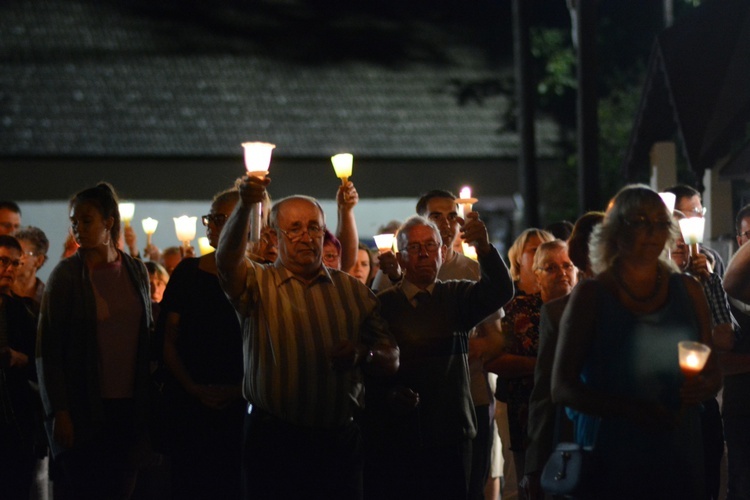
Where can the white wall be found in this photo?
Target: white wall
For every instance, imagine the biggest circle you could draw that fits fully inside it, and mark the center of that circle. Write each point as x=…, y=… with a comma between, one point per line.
x=52, y=218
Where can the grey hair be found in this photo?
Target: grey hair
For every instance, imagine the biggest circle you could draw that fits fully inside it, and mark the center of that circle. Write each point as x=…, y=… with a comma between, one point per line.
x=402, y=237
x=547, y=248
x=609, y=236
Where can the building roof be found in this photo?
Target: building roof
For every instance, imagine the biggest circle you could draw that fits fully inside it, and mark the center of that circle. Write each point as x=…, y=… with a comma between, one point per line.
x=95, y=79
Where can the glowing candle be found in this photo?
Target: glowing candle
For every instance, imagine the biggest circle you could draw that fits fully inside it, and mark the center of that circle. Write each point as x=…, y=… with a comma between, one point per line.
x=149, y=227
x=692, y=232
x=384, y=242
x=204, y=245
x=342, y=165
x=469, y=251
x=465, y=202
x=693, y=357
x=184, y=226
x=669, y=200
x=126, y=212
x=257, y=161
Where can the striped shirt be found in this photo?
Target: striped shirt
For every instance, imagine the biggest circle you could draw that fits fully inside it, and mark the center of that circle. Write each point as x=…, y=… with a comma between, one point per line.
x=290, y=327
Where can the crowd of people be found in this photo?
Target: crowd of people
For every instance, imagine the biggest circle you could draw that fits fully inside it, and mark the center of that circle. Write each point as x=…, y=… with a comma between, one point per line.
x=305, y=363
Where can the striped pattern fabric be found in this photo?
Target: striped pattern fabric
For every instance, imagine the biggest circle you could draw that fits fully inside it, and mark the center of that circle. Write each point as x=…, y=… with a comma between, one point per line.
x=289, y=329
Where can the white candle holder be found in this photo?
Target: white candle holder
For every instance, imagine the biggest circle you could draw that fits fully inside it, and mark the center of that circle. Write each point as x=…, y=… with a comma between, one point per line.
x=693, y=357
x=692, y=232
x=184, y=227
x=465, y=202
x=257, y=161
x=342, y=165
x=669, y=200
x=126, y=212
x=384, y=241
x=149, y=227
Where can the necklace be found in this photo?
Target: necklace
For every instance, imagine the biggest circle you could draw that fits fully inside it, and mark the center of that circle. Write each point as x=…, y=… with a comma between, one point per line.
x=650, y=296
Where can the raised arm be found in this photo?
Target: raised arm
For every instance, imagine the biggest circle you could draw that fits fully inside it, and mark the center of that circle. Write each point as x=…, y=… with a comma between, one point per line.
x=737, y=275
x=346, y=229
x=230, y=256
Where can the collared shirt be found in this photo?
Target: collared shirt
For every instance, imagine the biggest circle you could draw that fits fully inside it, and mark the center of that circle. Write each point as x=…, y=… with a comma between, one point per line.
x=411, y=290
x=289, y=329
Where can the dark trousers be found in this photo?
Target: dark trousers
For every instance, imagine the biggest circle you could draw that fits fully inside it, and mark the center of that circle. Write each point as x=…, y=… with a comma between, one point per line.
x=285, y=461
x=737, y=432
x=394, y=472
x=16, y=463
x=105, y=467
x=713, y=446
x=481, y=451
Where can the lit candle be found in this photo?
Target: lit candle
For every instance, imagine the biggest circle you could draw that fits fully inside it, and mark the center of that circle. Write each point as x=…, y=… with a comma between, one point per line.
x=669, y=200
x=184, y=226
x=384, y=242
x=204, y=245
x=257, y=161
x=342, y=165
x=465, y=201
x=149, y=227
x=693, y=357
x=692, y=232
x=126, y=212
x=469, y=251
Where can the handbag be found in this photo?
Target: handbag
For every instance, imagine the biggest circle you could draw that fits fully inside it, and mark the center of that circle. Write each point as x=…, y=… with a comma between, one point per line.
x=569, y=468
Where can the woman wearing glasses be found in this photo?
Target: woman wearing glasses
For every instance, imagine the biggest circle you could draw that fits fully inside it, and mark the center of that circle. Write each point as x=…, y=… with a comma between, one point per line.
x=616, y=365
x=203, y=351
x=93, y=355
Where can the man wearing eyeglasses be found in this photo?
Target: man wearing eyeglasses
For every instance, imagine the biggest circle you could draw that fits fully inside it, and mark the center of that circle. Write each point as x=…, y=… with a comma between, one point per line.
x=425, y=415
x=17, y=403
x=309, y=334
x=688, y=201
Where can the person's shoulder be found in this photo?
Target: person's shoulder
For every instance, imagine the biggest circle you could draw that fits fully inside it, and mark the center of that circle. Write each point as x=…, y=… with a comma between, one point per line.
x=556, y=306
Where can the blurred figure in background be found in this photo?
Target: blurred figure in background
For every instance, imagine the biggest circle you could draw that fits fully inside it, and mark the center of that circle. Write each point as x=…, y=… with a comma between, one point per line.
x=18, y=402
x=170, y=258
x=362, y=268
x=35, y=246
x=10, y=217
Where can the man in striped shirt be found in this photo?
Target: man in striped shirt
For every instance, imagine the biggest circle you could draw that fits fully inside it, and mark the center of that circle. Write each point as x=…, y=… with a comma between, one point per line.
x=308, y=333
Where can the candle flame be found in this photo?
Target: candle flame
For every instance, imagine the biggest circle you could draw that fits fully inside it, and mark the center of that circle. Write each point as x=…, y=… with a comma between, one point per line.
x=465, y=192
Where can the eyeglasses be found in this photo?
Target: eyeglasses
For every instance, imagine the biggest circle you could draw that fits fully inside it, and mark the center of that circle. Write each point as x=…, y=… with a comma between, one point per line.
x=429, y=246
x=695, y=212
x=330, y=257
x=6, y=262
x=218, y=219
x=643, y=223
x=746, y=234
x=295, y=234
x=566, y=268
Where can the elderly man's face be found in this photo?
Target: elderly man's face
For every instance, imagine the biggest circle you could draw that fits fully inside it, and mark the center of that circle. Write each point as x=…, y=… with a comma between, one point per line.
x=423, y=255
x=301, y=254
x=556, y=275
x=10, y=221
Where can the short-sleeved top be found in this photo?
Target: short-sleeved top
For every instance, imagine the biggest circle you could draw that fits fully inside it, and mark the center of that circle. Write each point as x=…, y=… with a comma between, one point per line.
x=289, y=329
x=210, y=340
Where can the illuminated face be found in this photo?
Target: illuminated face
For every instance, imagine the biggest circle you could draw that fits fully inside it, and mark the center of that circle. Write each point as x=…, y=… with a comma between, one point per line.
x=556, y=275
x=423, y=256
x=443, y=212
x=690, y=206
x=361, y=268
x=216, y=219
x=31, y=261
x=301, y=255
x=158, y=285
